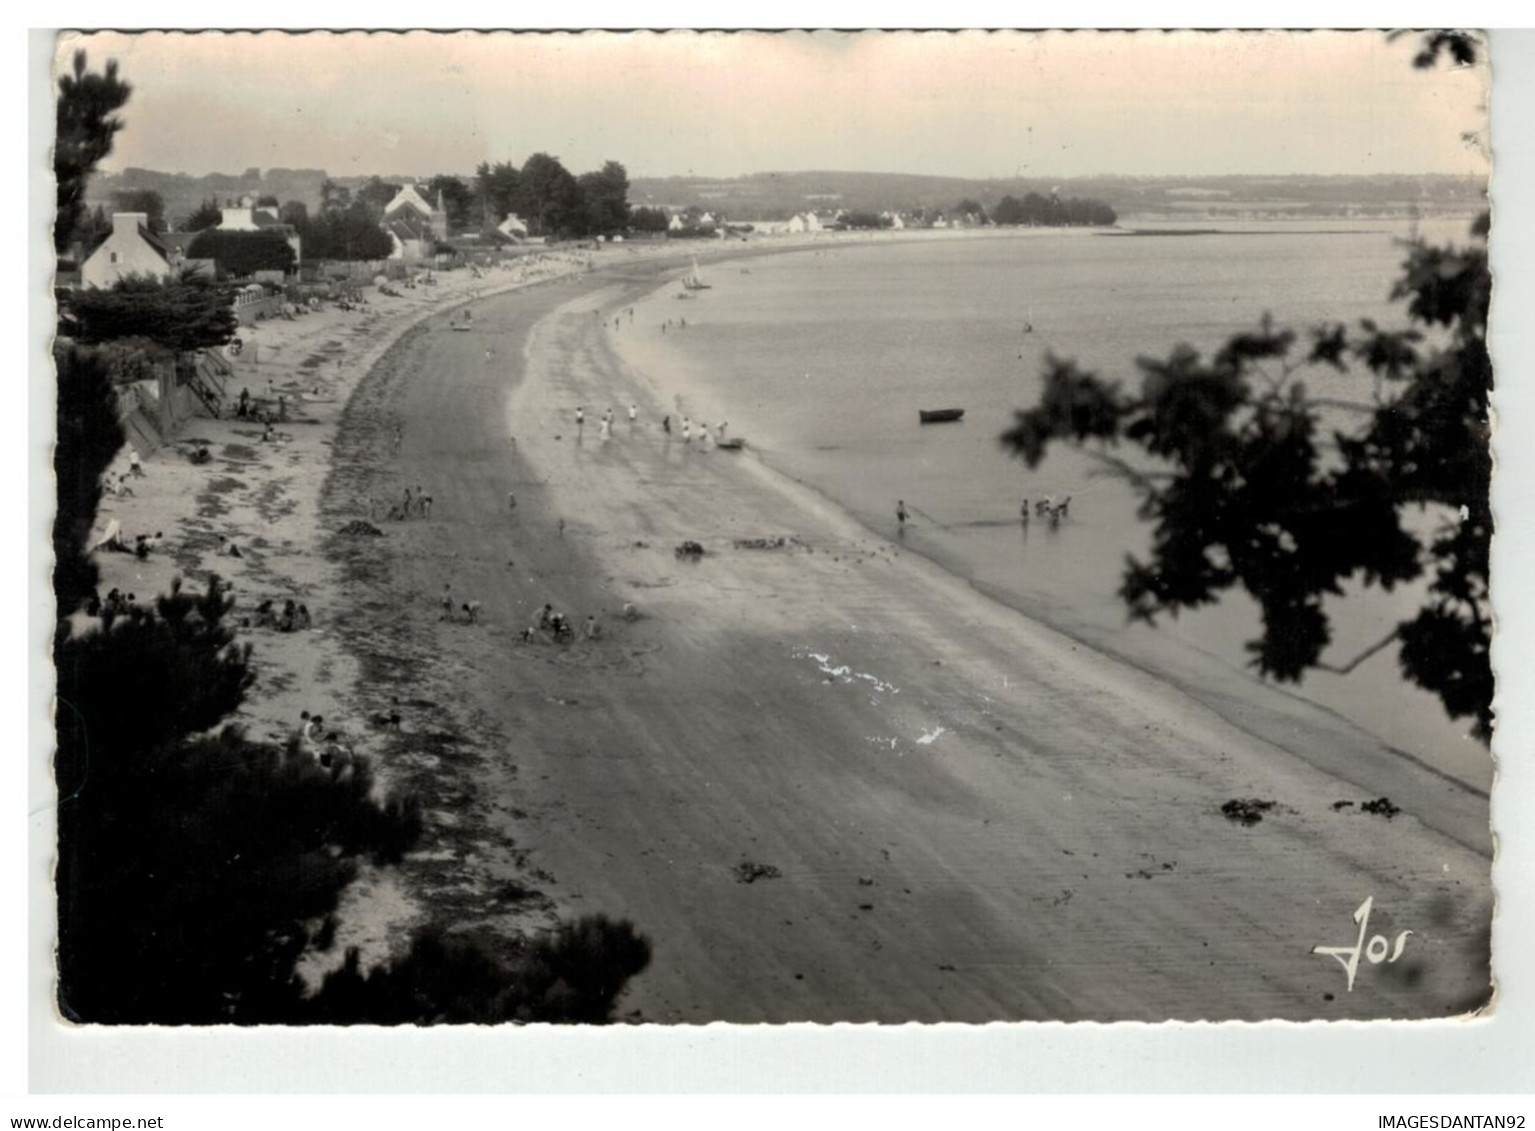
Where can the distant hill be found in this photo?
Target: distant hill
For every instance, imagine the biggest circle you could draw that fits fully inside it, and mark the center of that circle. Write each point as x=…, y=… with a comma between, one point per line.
x=777, y=196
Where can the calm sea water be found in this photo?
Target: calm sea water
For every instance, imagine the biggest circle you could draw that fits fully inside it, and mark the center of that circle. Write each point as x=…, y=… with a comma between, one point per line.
x=823, y=357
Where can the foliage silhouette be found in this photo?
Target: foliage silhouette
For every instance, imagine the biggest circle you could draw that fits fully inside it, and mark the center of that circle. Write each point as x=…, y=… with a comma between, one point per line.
x=185, y=313
x=238, y=254
x=571, y=977
x=1242, y=489
x=87, y=438
x=86, y=124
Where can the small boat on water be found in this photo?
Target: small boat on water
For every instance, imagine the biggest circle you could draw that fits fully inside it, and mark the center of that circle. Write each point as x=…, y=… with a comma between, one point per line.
x=939, y=415
x=734, y=444
x=695, y=281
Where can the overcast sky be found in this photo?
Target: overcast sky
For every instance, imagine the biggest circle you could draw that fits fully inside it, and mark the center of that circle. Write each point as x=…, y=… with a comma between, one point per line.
x=969, y=104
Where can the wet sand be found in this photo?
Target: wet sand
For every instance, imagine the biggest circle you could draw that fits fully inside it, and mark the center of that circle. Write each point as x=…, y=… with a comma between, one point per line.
x=947, y=811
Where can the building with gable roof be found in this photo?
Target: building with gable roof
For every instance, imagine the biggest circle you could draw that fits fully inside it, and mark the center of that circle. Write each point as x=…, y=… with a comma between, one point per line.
x=248, y=217
x=131, y=249
x=414, y=227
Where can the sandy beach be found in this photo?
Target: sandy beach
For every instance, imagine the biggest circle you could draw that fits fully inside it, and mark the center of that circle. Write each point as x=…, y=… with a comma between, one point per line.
x=828, y=780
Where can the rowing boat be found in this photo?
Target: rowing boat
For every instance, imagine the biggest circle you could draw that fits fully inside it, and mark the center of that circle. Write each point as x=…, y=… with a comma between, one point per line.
x=939, y=415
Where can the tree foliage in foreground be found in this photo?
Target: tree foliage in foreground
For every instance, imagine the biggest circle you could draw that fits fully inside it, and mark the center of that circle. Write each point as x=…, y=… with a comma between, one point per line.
x=573, y=976
x=88, y=436
x=1246, y=487
x=86, y=125
x=184, y=313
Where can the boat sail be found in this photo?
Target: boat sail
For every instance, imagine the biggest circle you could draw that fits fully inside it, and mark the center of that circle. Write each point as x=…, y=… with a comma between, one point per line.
x=695, y=281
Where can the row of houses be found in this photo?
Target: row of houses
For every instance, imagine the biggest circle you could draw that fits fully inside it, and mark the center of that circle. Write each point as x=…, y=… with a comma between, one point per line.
x=133, y=249
x=414, y=225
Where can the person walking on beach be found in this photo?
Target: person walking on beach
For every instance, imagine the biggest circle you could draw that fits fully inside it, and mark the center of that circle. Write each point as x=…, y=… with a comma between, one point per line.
x=447, y=602
x=605, y=430
x=724, y=424
x=687, y=431
x=580, y=419
x=1024, y=512
x=634, y=411
x=511, y=502
x=666, y=424
x=135, y=468
x=900, y=513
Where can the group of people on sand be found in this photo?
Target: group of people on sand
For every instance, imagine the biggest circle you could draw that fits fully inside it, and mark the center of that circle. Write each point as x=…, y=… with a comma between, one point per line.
x=604, y=422
x=116, y=604
x=452, y=610
x=706, y=436
x=325, y=746
x=556, y=626
x=293, y=617
x=115, y=541
x=416, y=503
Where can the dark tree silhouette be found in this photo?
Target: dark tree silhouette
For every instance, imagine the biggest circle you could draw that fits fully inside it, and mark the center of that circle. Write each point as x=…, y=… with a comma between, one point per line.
x=1244, y=489
x=208, y=215
x=606, y=194
x=574, y=976
x=181, y=314
x=88, y=437
x=147, y=201
x=349, y=233
x=86, y=124
x=549, y=198
x=238, y=254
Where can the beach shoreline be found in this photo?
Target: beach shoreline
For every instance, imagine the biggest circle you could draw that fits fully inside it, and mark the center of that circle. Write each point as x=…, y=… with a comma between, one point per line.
x=830, y=710
x=941, y=795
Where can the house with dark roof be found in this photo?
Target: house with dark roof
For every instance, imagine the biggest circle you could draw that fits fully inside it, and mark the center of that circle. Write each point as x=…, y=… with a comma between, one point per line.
x=414, y=227
x=251, y=218
x=131, y=249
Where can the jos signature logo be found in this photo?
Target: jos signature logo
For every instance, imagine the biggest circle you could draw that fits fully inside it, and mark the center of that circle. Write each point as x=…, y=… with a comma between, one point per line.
x=1379, y=949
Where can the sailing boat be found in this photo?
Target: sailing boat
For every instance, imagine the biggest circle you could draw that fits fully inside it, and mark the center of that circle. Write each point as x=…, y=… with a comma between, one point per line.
x=695, y=281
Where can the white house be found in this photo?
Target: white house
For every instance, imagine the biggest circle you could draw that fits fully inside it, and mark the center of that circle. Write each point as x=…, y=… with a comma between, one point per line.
x=676, y=224
x=251, y=218
x=804, y=222
x=414, y=226
x=513, y=227
x=131, y=249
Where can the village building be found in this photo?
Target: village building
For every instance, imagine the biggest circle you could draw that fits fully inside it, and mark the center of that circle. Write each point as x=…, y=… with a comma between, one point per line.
x=131, y=249
x=414, y=227
x=249, y=217
x=513, y=227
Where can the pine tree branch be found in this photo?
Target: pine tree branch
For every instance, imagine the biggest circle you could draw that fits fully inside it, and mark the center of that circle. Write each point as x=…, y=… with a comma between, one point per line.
x=1344, y=669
